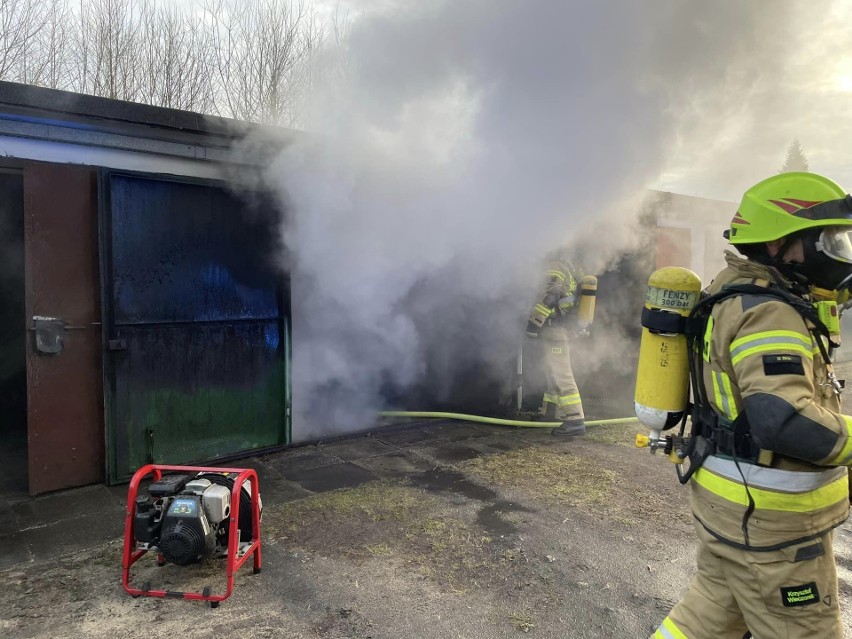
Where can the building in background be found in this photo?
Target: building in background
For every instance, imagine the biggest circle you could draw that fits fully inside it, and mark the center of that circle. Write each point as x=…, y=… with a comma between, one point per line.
x=145, y=316
x=689, y=232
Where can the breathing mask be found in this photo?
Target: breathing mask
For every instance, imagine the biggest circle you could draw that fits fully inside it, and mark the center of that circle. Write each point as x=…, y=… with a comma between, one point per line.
x=828, y=257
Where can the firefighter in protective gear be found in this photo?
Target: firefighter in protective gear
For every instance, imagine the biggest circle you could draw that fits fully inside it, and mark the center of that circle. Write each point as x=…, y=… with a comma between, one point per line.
x=548, y=321
x=766, y=500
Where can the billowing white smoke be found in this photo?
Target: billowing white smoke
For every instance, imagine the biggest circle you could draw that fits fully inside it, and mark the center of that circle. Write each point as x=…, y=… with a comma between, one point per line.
x=463, y=141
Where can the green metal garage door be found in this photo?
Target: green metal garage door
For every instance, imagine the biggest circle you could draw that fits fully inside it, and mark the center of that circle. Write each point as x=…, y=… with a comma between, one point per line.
x=196, y=339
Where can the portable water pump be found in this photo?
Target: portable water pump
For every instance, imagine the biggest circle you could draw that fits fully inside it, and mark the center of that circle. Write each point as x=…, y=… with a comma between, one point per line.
x=184, y=517
x=189, y=516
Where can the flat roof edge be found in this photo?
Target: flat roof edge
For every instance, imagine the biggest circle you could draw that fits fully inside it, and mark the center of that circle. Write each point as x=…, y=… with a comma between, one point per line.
x=59, y=104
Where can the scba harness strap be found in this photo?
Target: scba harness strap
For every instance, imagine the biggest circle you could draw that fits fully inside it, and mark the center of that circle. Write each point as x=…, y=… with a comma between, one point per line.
x=732, y=438
x=711, y=433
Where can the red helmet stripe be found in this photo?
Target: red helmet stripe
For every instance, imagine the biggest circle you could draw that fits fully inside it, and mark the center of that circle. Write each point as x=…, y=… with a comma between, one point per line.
x=739, y=219
x=804, y=204
x=793, y=206
x=787, y=206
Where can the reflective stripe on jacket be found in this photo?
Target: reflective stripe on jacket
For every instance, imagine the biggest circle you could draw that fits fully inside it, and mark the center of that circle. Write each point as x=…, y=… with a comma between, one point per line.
x=759, y=357
x=559, y=291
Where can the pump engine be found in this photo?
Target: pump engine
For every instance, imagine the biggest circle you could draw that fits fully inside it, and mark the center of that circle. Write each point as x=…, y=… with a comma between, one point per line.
x=186, y=517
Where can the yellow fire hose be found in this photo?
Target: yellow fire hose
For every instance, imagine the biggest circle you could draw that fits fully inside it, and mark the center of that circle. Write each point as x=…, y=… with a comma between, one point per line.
x=501, y=422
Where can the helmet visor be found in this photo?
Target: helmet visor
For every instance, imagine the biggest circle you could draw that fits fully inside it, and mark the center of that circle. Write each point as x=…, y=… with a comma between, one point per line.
x=836, y=242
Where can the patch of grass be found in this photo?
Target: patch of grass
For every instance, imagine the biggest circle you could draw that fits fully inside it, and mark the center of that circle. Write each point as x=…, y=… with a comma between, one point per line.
x=556, y=475
x=522, y=621
x=621, y=434
x=511, y=554
x=432, y=527
x=447, y=550
x=375, y=502
x=380, y=550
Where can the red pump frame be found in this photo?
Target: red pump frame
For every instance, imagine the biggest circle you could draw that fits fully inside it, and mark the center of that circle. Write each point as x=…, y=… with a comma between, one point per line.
x=131, y=554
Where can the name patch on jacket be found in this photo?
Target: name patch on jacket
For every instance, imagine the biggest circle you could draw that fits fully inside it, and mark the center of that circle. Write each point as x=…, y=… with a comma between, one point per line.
x=783, y=365
x=800, y=595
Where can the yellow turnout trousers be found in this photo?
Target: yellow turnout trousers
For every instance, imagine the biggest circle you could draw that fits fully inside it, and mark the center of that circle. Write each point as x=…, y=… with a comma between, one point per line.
x=562, y=391
x=781, y=594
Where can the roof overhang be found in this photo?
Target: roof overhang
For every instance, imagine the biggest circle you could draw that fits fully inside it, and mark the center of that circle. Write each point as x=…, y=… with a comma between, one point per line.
x=59, y=126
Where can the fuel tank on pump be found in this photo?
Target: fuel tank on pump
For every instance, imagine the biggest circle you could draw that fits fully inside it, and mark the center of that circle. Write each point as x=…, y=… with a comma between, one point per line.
x=662, y=376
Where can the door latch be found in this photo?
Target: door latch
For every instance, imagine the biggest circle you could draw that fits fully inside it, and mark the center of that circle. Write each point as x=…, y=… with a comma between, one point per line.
x=50, y=333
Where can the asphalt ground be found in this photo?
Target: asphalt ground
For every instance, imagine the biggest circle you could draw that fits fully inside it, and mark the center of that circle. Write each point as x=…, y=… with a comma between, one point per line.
x=434, y=530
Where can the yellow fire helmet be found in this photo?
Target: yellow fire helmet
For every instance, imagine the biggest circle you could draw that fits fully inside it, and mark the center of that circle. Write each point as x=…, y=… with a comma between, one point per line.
x=806, y=206
x=787, y=203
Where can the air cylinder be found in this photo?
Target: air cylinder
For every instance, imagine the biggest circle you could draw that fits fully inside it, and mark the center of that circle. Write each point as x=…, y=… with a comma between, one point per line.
x=586, y=310
x=662, y=376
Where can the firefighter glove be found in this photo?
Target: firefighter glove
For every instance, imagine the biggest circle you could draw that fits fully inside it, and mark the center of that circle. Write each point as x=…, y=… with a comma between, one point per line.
x=532, y=329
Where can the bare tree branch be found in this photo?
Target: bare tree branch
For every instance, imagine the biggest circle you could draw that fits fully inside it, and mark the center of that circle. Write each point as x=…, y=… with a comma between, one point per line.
x=47, y=62
x=21, y=21
x=177, y=61
x=108, y=44
x=262, y=49
x=252, y=60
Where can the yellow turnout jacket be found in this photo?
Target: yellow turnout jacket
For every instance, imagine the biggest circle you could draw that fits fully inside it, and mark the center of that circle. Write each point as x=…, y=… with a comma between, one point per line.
x=760, y=357
x=558, y=295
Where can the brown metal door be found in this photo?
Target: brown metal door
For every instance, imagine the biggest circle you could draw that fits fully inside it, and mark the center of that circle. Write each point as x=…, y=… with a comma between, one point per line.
x=64, y=396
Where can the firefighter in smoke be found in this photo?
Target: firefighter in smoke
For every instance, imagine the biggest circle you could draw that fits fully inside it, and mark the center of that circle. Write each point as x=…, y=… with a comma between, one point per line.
x=772, y=484
x=549, y=322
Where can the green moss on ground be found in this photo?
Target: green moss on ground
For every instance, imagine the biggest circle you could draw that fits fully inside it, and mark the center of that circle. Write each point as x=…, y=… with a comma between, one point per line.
x=550, y=474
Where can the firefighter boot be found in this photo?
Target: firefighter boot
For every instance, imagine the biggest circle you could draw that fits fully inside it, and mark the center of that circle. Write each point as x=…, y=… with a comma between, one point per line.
x=570, y=428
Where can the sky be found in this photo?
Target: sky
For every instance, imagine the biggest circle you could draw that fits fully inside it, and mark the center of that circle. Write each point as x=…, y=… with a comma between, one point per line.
x=788, y=75
x=458, y=143
x=794, y=81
